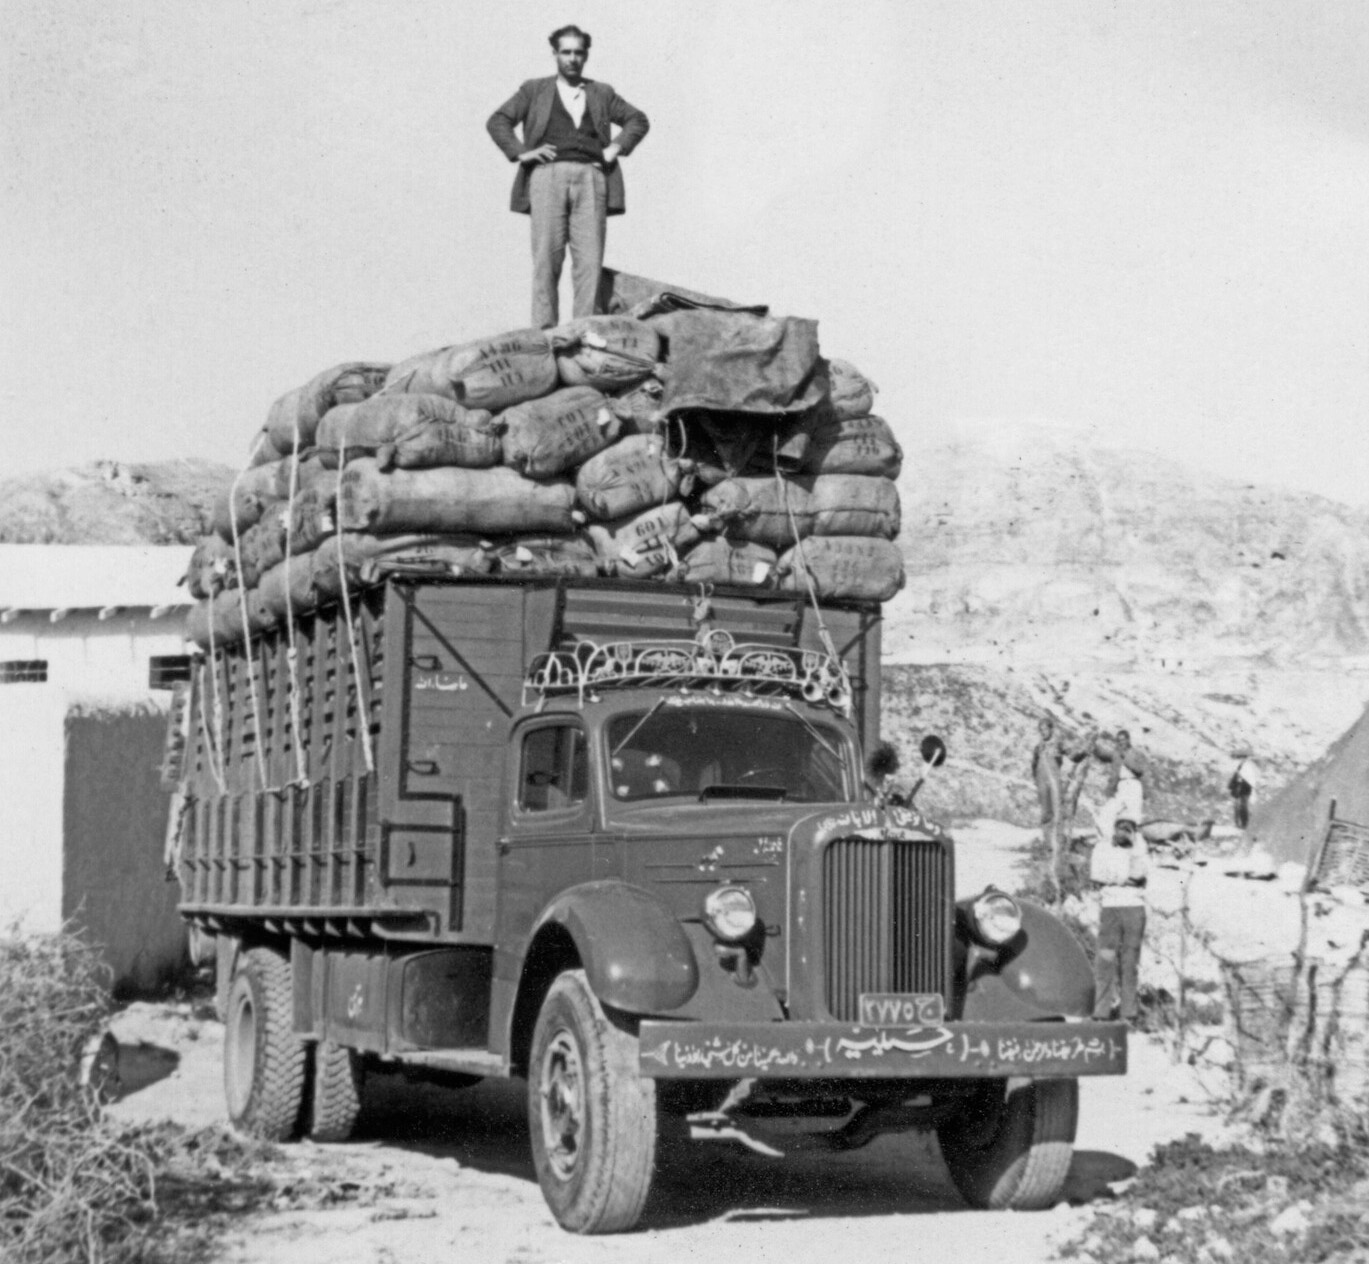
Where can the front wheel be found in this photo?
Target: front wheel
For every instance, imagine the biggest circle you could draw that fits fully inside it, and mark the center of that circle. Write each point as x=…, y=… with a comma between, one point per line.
x=592, y=1116
x=1011, y=1147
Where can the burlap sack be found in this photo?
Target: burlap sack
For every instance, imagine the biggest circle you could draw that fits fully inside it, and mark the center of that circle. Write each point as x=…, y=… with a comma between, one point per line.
x=288, y=588
x=366, y=559
x=644, y=544
x=640, y=408
x=609, y=352
x=218, y=620
x=546, y=555
x=546, y=437
x=262, y=546
x=313, y=518
x=852, y=445
x=850, y=392
x=212, y=567
x=248, y=497
x=634, y=474
x=413, y=432
x=451, y=500
x=493, y=373
x=843, y=567
x=720, y=561
x=299, y=411
x=778, y=512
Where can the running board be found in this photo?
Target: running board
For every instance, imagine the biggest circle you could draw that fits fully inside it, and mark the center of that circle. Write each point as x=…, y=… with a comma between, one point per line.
x=463, y=1061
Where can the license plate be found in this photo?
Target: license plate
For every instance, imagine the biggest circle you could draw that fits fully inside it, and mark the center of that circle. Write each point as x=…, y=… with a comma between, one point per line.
x=902, y=1009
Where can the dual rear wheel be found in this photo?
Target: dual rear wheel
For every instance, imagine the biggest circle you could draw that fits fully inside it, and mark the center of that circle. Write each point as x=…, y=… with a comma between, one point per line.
x=275, y=1085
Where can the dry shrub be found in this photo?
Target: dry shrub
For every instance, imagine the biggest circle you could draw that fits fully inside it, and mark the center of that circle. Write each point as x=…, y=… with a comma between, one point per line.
x=70, y=1186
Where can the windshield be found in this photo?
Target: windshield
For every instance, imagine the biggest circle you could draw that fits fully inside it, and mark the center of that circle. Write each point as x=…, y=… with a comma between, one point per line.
x=700, y=752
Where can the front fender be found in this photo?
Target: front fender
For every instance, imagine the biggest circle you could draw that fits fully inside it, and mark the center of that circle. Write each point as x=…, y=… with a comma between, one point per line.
x=1042, y=973
x=632, y=947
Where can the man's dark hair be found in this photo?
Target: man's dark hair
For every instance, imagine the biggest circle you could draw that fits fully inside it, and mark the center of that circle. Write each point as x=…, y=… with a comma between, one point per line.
x=557, y=35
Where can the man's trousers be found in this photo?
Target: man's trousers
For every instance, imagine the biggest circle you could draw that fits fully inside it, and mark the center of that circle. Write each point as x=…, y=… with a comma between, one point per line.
x=1121, y=932
x=569, y=208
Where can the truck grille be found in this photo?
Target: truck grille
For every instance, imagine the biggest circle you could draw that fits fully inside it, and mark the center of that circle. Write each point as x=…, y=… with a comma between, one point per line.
x=887, y=909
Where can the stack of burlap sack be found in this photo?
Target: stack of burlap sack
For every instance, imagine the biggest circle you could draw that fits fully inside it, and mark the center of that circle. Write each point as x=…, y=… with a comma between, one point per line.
x=563, y=452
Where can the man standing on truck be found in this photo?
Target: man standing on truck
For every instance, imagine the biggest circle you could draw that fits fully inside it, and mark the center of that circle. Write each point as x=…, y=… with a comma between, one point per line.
x=568, y=178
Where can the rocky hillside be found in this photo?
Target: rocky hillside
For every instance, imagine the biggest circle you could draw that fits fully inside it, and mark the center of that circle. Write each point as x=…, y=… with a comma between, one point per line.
x=110, y=502
x=1034, y=547
x=1186, y=723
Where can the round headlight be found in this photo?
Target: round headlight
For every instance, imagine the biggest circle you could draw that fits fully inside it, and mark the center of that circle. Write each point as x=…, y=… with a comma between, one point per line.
x=995, y=918
x=730, y=912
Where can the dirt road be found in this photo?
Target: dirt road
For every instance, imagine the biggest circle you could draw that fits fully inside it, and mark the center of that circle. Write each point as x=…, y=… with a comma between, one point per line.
x=446, y=1176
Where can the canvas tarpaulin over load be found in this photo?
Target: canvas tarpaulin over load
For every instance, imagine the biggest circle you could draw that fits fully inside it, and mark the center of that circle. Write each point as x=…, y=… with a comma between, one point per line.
x=1292, y=824
x=737, y=362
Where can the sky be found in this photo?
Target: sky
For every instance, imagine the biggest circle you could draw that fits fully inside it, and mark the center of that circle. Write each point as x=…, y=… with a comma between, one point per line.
x=1145, y=221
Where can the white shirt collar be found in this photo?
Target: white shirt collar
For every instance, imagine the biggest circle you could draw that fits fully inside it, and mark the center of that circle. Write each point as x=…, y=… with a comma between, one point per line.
x=573, y=98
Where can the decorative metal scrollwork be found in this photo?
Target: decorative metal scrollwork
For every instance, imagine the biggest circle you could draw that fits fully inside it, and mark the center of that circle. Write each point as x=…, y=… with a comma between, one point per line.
x=712, y=660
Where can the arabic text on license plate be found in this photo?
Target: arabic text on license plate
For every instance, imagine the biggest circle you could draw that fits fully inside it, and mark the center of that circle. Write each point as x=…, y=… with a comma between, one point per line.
x=902, y=1009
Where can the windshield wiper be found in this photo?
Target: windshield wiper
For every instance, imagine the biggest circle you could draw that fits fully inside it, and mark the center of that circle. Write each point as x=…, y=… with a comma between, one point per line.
x=814, y=730
x=725, y=790
x=632, y=732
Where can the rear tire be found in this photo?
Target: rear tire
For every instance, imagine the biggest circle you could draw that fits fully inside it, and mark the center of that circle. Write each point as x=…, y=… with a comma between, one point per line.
x=263, y=1059
x=335, y=1101
x=1011, y=1148
x=591, y=1114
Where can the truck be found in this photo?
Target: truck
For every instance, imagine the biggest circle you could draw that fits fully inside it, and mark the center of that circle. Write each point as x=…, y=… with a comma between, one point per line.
x=615, y=838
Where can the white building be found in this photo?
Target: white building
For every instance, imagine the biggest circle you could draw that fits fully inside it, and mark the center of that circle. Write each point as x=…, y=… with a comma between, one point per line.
x=91, y=641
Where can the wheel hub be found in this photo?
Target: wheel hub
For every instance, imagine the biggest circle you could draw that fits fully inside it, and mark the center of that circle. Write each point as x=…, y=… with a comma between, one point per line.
x=562, y=1095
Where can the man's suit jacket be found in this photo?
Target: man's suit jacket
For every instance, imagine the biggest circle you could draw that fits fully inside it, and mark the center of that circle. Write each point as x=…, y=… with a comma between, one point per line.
x=531, y=106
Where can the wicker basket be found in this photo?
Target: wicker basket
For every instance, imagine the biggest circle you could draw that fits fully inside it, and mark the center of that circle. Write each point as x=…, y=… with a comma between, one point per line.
x=1343, y=860
x=1331, y=1008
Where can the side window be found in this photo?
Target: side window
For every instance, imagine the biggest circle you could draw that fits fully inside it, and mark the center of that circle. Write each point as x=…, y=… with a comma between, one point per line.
x=554, y=772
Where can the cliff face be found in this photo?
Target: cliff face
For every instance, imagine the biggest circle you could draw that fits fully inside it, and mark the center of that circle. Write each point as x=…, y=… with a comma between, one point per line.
x=1035, y=547
x=111, y=502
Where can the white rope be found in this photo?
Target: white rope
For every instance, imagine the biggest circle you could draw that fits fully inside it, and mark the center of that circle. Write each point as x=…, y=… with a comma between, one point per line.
x=213, y=742
x=242, y=596
x=291, y=652
x=363, y=705
x=802, y=558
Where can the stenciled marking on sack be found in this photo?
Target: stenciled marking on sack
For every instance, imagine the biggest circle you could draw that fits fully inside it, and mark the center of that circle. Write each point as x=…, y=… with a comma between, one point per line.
x=356, y=1002
x=443, y=682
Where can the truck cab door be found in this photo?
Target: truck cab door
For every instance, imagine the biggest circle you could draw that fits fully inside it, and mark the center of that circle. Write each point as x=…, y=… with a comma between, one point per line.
x=548, y=843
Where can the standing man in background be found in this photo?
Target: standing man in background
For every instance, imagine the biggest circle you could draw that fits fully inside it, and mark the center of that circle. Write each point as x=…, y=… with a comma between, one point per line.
x=568, y=178
x=1128, y=772
x=1120, y=869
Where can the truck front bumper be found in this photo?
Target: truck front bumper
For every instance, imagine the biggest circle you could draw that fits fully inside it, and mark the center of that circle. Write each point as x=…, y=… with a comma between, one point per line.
x=720, y=1051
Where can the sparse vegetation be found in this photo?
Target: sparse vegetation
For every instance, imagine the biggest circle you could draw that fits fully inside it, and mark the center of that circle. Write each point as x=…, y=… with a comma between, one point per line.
x=77, y=1187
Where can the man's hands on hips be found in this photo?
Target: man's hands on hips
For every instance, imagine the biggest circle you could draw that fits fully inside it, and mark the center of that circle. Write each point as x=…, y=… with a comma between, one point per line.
x=611, y=153
x=535, y=157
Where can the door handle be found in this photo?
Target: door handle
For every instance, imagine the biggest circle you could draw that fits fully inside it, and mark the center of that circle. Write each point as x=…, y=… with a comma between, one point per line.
x=422, y=767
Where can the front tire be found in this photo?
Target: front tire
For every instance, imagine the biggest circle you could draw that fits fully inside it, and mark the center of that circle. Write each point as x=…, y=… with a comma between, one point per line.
x=592, y=1116
x=263, y=1059
x=1011, y=1148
